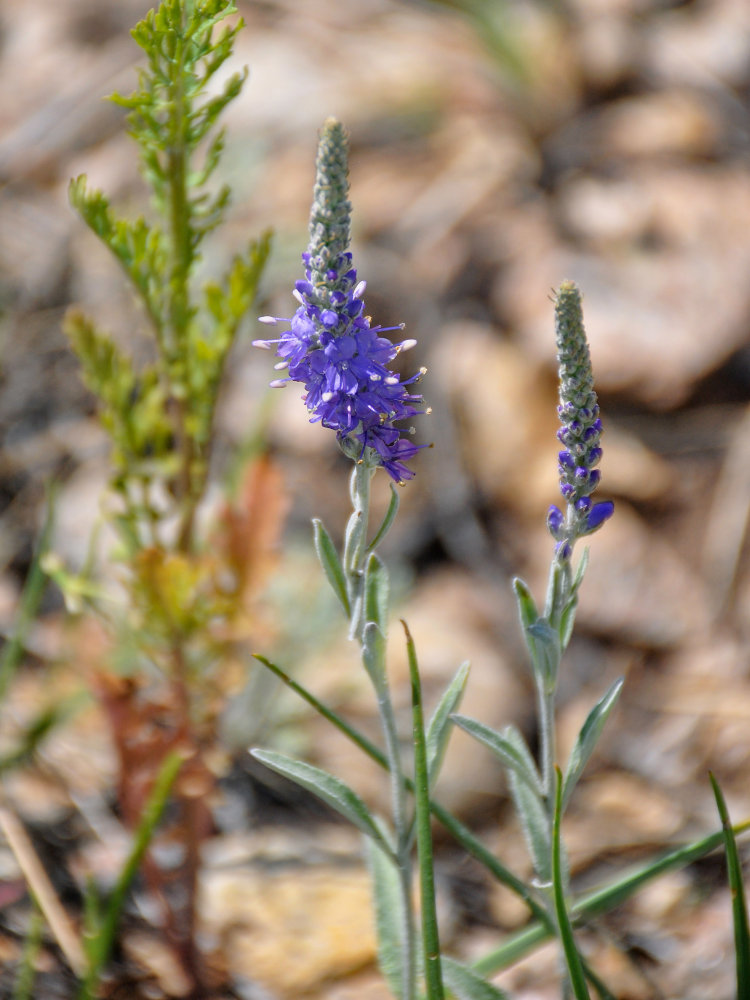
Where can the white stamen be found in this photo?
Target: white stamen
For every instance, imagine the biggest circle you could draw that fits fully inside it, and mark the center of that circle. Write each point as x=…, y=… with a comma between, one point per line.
x=326, y=397
x=359, y=290
x=264, y=344
x=407, y=345
x=298, y=296
x=391, y=380
x=271, y=320
x=278, y=383
x=280, y=366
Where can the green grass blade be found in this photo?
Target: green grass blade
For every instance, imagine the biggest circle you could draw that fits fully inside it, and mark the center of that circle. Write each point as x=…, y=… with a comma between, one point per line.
x=572, y=958
x=23, y=986
x=31, y=598
x=601, y=901
x=430, y=936
x=100, y=948
x=739, y=905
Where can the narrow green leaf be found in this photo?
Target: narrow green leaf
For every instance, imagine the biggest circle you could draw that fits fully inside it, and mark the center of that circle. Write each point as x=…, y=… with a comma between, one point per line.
x=329, y=560
x=430, y=936
x=330, y=789
x=509, y=746
x=739, y=904
x=581, y=568
x=388, y=909
x=466, y=984
x=568, y=614
x=373, y=654
x=572, y=958
x=31, y=597
x=600, y=901
x=23, y=986
x=439, y=728
x=534, y=824
x=390, y=516
x=544, y=648
x=376, y=593
x=527, y=609
x=588, y=738
x=100, y=946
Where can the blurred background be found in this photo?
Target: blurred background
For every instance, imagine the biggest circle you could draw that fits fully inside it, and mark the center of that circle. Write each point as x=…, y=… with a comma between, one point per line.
x=497, y=148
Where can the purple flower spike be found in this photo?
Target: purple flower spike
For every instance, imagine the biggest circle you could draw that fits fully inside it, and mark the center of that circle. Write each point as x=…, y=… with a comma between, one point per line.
x=580, y=429
x=331, y=349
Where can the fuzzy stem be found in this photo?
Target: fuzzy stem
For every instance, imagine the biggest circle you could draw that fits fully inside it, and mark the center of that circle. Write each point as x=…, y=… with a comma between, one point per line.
x=355, y=552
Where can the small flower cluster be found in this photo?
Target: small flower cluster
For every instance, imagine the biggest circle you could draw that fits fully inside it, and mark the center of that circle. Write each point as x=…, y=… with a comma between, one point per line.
x=330, y=346
x=580, y=431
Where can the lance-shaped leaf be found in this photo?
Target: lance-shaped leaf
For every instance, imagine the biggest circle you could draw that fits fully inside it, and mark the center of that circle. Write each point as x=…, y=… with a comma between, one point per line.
x=544, y=646
x=739, y=904
x=329, y=560
x=527, y=610
x=389, y=916
x=465, y=984
x=373, y=655
x=439, y=728
x=390, y=516
x=376, y=593
x=534, y=824
x=568, y=615
x=509, y=746
x=331, y=790
x=588, y=738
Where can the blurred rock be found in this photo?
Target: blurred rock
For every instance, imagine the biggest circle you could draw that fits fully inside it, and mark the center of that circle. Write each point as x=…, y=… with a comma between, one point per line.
x=290, y=930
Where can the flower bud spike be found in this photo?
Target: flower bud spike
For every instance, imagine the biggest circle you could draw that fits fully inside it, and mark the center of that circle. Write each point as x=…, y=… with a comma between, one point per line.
x=580, y=429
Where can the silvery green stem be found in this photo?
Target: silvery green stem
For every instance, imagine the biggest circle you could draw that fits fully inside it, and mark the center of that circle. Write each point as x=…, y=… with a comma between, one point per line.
x=355, y=552
x=355, y=546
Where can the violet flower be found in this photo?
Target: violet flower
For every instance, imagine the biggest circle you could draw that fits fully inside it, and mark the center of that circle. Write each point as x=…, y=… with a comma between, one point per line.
x=580, y=429
x=330, y=346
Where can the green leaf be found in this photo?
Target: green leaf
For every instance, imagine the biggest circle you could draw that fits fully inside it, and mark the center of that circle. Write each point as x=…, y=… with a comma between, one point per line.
x=330, y=789
x=601, y=900
x=439, y=728
x=509, y=746
x=465, y=984
x=376, y=593
x=568, y=614
x=739, y=904
x=588, y=738
x=545, y=650
x=329, y=560
x=100, y=946
x=373, y=654
x=572, y=958
x=534, y=824
x=388, y=908
x=387, y=521
x=461, y=833
x=527, y=610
